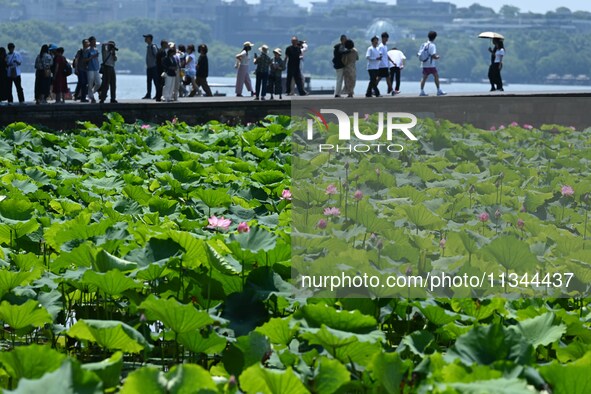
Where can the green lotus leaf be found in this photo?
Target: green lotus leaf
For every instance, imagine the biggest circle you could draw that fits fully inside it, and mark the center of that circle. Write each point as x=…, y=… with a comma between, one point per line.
x=255, y=240
x=137, y=193
x=534, y=200
x=110, y=334
x=268, y=177
x=248, y=350
x=541, y=330
x=105, y=262
x=21, y=316
x=352, y=321
x=16, y=209
x=569, y=378
x=500, y=386
x=30, y=362
x=486, y=344
x=113, y=282
x=225, y=264
x=388, y=369
x=422, y=217
x=195, y=249
x=108, y=370
x=144, y=380
x=163, y=206
x=279, y=331
x=418, y=342
x=197, y=342
x=214, y=198
x=10, y=279
x=330, y=375
x=512, y=254
x=257, y=379
x=69, y=378
x=180, y=318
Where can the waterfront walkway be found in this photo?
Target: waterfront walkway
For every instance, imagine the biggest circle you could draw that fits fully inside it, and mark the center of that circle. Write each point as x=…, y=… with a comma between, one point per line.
x=480, y=109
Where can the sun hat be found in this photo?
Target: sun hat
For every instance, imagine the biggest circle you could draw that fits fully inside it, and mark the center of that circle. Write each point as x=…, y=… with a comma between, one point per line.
x=248, y=44
x=277, y=51
x=264, y=48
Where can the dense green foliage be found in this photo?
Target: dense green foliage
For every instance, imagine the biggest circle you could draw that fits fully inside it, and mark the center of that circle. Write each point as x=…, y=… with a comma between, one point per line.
x=155, y=259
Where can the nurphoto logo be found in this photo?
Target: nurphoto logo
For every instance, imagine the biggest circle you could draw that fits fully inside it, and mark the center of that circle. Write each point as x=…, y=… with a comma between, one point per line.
x=392, y=123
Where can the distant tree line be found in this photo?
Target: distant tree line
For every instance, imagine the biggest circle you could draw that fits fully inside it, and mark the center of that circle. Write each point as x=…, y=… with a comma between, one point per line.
x=531, y=56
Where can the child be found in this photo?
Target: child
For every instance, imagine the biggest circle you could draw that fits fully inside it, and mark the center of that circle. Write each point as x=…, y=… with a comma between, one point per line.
x=277, y=66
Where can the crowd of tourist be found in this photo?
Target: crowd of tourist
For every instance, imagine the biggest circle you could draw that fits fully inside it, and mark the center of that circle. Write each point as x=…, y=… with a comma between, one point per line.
x=177, y=70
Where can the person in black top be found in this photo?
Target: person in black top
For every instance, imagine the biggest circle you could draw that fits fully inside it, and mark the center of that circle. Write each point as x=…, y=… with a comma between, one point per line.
x=159, y=80
x=293, y=55
x=337, y=61
x=203, y=70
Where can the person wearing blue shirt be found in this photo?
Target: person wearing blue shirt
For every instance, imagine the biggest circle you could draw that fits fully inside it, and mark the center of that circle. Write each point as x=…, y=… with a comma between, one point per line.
x=94, y=78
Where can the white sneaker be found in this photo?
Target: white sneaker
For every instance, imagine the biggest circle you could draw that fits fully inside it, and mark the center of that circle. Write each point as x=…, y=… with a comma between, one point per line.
x=441, y=93
x=423, y=93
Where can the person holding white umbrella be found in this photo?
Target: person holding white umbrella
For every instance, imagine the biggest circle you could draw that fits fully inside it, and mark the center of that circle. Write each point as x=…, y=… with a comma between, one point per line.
x=494, y=71
x=496, y=60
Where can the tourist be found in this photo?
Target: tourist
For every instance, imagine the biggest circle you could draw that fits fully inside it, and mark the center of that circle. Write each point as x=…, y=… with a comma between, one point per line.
x=109, y=84
x=337, y=61
x=242, y=75
x=396, y=58
x=81, y=70
x=274, y=84
x=203, y=70
x=90, y=57
x=43, y=63
x=494, y=71
x=170, y=66
x=429, y=66
x=60, y=78
x=4, y=86
x=293, y=59
x=373, y=57
x=384, y=67
x=151, y=65
x=191, y=70
x=160, y=73
x=263, y=62
x=350, y=69
x=181, y=58
x=14, y=61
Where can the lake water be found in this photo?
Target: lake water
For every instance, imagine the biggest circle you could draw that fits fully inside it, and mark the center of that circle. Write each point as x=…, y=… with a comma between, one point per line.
x=133, y=87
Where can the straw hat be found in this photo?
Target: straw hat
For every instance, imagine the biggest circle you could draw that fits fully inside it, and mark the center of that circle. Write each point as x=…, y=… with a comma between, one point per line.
x=248, y=44
x=264, y=48
x=277, y=51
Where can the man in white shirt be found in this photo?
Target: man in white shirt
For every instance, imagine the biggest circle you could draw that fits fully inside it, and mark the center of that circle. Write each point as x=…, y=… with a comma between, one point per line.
x=373, y=57
x=396, y=58
x=14, y=61
x=429, y=66
x=383, y=71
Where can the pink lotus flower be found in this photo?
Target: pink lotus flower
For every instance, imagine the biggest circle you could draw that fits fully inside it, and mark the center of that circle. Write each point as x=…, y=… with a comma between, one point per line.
x=331, y=189
x=366, y=117
x=175, y=120
x=501, y=127
x=520, y=224
x=483, y=217
x=358, y=195
x=220, y=223
x=332, y=211
x=567, y=191
x=528, y=126
x=145, y=126
x=514, y=124
x=321, y=224
x=493, y=128
x=243, y=227
x=442, y=243
x=286, y=194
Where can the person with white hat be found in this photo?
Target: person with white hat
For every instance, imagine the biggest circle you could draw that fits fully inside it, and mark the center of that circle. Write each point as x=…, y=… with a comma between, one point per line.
x=274, y=85
x=242, y=76
x=262, y=72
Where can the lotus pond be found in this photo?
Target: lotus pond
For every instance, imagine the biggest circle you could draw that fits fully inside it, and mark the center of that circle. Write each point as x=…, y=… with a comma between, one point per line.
x=140, y=258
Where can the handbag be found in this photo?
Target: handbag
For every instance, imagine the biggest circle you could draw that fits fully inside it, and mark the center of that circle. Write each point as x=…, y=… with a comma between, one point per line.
x=102, y=69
